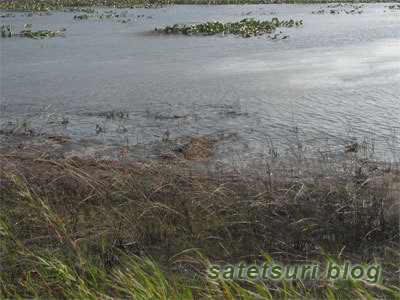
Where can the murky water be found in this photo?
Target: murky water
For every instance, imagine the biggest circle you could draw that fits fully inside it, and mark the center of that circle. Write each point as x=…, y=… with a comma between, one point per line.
x=334, y=79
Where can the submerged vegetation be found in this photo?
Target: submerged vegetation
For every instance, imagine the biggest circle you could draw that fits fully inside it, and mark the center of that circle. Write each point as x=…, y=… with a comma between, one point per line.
x=245, y=27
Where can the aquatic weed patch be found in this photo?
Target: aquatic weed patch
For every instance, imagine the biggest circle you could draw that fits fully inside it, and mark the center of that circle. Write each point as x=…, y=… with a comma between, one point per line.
x=393, y=7
x=46, y=5
x=6, y=31
x=79, y=9
x=336, y=9
x=81, y=17
x=7, y=15
x=245, y=27
x=40, y=34
x=74, y=5
x=112, y=14
x=37, y=14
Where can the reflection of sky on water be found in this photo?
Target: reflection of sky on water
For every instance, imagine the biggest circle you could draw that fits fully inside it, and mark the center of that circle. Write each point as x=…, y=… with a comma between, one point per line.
x=370, y=63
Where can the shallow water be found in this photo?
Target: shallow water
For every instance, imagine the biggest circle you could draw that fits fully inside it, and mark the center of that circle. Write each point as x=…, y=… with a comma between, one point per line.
x=335, y=79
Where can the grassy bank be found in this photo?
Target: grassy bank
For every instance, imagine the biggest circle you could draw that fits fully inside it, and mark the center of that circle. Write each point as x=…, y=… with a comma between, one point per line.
x=86, y=229
x=44, y=5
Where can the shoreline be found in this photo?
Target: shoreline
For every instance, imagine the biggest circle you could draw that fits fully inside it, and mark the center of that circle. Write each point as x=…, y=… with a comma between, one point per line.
x=101, y=210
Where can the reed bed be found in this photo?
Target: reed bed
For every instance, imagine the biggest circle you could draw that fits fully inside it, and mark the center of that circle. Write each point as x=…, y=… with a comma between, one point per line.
x=74, y=228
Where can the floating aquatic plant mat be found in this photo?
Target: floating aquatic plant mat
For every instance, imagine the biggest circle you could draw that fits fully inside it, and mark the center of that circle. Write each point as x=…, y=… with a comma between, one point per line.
x=6, y=31
x=245, y=27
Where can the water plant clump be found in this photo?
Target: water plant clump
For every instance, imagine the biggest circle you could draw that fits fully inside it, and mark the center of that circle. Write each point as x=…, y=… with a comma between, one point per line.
x=124, y=20
x=6, y=31
x=336, y=9
x=46, y=5
x=245, y=27
x=36, y=14
x=7, y=15
x=81, y=17
x=394, y=7
x=75, y=5
x=113, y=114
x=111, y=14
x=79, y=9
x=41, y=33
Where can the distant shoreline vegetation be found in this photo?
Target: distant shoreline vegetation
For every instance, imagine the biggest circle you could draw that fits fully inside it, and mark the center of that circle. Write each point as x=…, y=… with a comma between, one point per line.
x=45, y=5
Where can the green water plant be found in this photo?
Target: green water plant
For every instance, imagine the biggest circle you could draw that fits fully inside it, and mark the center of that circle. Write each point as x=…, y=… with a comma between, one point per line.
x=7, y=15
x=113, y=14
x=40, y=33
x=79, y=9
x=245, y=27
x=77, y=5
x=336, y=9
x=81, y=17
x=46, y=5
x=394, y=7
x=123, y=20
x=110, y=14
x=37, y=14
x=5, y=31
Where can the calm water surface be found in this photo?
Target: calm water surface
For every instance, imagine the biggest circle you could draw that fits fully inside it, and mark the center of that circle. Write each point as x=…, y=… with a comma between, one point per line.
x=334, y=79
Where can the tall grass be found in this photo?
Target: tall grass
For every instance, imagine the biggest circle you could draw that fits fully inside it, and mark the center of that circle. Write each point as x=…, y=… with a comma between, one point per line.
x=76, y=228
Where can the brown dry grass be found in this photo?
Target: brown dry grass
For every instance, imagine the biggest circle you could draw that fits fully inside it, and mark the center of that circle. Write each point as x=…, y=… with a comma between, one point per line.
x=69, y=208
x=198, y=148
x=164, y=209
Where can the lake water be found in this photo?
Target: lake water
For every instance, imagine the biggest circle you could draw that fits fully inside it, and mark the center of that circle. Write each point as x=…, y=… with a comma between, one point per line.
x=335, y=79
